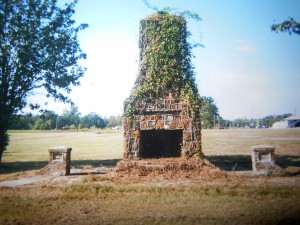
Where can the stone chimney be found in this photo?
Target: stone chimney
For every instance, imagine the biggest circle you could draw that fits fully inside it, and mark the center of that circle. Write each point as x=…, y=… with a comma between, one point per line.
x=162, y=115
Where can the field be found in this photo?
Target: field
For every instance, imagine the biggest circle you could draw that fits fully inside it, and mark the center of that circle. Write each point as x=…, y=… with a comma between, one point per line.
x=225, y=148
x=238, y=197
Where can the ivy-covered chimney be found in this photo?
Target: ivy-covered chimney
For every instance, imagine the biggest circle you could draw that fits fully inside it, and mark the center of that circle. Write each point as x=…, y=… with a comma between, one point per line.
x=162, y=114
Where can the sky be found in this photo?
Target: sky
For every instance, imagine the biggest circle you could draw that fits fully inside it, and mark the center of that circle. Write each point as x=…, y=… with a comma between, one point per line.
x=248, y=70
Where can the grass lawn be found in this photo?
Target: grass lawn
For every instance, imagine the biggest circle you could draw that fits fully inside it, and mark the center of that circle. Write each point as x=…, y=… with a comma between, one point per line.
x=105, y=144
x=33, y=146
x=98, y=199
x=225, y=148
x=238, y=141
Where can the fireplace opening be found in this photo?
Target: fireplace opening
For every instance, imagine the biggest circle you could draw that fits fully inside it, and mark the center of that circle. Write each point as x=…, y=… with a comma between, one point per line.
x=160, y=143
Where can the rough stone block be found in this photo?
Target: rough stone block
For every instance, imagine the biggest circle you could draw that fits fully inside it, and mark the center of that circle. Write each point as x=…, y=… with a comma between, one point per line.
x=180, y=124
x=187, y=136
x=152, y=124
x=173, y=124
x=135, y=133
x=144, y=125
x=187, y=124
x=184, y=116
x=160, y=124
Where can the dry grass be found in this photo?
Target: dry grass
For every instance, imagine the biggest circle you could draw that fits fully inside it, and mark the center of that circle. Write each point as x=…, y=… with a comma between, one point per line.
x=167, y=169
x=96, y=203
x=230, y=149
x=239, y=141
x=152, y=193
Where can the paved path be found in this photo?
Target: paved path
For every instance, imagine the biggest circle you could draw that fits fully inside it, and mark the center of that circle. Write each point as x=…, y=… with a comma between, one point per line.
x=75, y=176
x=24, y=181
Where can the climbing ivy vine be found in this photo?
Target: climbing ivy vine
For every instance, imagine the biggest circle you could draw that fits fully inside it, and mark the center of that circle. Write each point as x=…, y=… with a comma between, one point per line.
x=166, y=61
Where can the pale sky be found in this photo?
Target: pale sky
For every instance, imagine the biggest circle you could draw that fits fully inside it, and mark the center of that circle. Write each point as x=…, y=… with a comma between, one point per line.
x=248, y=70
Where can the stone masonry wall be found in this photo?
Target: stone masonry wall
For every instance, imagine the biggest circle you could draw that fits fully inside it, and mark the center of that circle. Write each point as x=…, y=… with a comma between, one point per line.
x=161, y=118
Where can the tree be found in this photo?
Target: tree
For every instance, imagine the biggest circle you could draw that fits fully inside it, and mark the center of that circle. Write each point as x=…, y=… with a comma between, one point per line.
x=22, y=122
x=70, y=118
x=209, y=112
x=268, y=121
x=114, y=121
x=241, y=122
x=92, y=119
x=291, y=26
x=46, y=121
x=39, y=50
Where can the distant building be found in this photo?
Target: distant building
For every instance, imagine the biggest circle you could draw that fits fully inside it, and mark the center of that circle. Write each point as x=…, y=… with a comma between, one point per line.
x=289, y=122
x=293, y=121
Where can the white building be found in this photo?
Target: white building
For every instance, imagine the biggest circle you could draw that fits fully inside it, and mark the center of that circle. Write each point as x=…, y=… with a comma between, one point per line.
x=289, y=122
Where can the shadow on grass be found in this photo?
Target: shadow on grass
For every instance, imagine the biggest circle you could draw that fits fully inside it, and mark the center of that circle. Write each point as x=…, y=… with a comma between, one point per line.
x=244, y=162
x=14, y=167
x=225, y=162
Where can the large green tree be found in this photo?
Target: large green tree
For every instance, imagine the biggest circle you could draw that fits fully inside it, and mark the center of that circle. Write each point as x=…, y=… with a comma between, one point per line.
x=39, y=49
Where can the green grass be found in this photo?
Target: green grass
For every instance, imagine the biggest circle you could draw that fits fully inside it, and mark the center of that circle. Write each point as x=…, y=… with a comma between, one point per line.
x=106, y=144
x=33, y=146
x=227, y=149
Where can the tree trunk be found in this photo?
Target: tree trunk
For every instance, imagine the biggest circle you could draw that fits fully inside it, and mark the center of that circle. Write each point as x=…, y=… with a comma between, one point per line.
x=3, y=135
x=1, y=152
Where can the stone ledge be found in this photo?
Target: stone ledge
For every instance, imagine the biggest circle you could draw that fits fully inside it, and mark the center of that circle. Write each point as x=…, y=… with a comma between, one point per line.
x=60, y=149
x=262, y=148
x=263, y=159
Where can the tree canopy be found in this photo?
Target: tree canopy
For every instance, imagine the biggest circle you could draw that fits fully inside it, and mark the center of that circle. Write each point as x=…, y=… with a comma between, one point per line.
x=70, y=117
x=39, y=50
x=291, y=26
x=209, y=112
